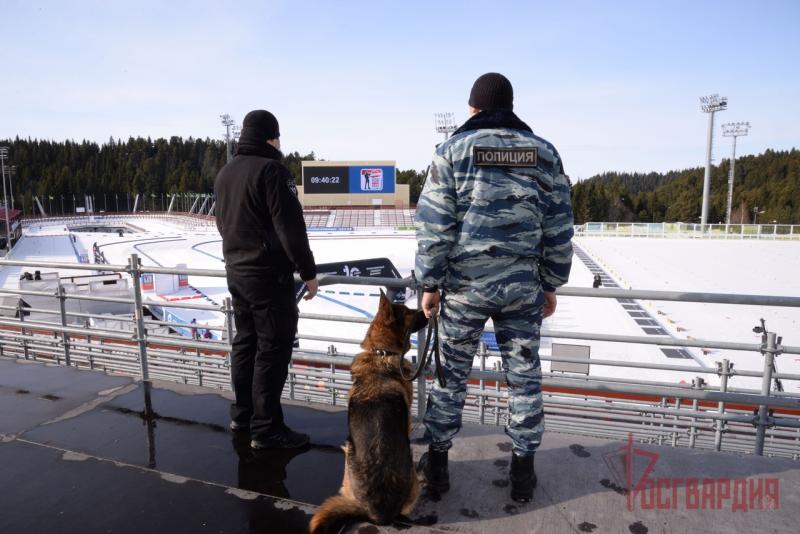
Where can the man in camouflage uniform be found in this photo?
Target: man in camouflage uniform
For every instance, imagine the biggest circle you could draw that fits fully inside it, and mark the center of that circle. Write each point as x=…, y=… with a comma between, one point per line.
x=494, y=230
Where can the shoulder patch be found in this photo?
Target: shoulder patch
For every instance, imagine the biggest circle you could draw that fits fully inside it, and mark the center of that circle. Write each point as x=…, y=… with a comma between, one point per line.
x=291, y=185
x=504, y=156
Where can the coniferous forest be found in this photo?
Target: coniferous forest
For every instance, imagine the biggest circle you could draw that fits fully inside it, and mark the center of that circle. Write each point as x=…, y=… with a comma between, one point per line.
x=766, y=185
x=116, y=171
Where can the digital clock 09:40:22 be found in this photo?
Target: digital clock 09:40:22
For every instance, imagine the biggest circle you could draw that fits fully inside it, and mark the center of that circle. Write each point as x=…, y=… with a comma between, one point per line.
x=325, y=179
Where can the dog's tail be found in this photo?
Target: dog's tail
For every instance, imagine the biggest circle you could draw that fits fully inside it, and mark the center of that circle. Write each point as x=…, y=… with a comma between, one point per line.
x=334, y=513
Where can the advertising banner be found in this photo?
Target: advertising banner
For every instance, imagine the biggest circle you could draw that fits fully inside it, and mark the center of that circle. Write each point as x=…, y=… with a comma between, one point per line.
x=368, y=268
x=372, y=179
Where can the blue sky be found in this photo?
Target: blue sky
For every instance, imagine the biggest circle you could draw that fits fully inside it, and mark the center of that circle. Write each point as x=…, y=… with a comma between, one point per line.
x=614, y=85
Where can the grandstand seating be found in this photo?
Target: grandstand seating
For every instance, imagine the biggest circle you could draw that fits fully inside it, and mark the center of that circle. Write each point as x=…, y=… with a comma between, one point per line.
x=317, y=218
x=358, y=218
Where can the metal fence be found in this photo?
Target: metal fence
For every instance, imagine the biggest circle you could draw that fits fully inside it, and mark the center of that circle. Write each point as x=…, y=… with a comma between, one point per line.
x=686, y=230
x=720, y=417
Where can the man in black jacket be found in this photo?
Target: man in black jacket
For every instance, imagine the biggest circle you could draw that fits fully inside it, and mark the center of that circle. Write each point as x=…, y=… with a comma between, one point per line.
x=264, y=241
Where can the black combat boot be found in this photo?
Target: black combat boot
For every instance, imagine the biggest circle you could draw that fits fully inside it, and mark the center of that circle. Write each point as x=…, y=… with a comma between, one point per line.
x=523, y=478
x=434, y=464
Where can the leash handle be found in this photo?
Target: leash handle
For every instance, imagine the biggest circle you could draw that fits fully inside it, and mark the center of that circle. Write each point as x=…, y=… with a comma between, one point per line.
x=439, y=368
x=432, y=333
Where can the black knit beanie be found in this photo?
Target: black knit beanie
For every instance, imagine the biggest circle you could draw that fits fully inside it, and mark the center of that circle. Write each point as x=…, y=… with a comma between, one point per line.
x=492, y=91
x=258, y=126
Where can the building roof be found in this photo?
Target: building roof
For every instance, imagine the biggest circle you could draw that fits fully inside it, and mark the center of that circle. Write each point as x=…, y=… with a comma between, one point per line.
x=13, y=214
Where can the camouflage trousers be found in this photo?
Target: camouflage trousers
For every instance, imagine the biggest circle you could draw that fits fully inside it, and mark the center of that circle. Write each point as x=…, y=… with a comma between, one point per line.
x=516, y=310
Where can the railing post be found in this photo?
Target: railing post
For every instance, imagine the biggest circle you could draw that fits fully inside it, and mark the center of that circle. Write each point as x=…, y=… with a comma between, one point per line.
x=62, y=305
x=135, y=270
x=421, y=385
x=769, y=349
x=675, y=428
x=482, y=400
x=662, y=404
x=497, y=367
x=724, y=371
x=228, y=310
x=697, y=383
x=199, y=370
x=88, y=325
x=332, y=354
x=23, y=333
x=196, y=337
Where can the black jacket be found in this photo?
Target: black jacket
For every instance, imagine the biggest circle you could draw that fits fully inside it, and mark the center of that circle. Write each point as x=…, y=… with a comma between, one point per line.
x=260, y=218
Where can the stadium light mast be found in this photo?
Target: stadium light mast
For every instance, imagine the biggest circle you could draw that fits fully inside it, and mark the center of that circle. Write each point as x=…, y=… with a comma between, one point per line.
x=235, y=133
x=733, y=129
x=3, y=156
x=228, y=123
x=445, y=123
x=756, y=213
x=709, y=104
x=12, y=172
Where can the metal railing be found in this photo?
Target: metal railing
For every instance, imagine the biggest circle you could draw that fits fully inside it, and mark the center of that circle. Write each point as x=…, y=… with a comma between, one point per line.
x=399, y=219
x=687, y=230
x=342, y=217
x=181, y=218
x=723, y=417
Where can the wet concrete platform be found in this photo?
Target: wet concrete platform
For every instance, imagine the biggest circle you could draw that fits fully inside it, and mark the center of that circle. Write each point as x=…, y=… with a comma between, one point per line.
x=79, y=454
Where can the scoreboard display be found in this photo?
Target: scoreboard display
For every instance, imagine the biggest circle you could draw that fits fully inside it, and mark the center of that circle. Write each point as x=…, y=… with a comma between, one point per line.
x=326, y=179
x=339, y=179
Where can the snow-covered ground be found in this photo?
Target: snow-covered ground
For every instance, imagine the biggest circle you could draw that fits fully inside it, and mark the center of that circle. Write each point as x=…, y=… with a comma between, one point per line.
x=170, y=247
x=757, y=267
x=47, y=244
x=713, y=266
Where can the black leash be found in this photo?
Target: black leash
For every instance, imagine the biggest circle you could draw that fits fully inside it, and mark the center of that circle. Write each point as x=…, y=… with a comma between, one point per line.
x=432, y=332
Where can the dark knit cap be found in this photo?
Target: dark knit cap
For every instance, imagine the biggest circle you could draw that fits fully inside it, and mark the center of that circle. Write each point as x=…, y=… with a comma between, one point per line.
x=492, y=91
x=258, y=126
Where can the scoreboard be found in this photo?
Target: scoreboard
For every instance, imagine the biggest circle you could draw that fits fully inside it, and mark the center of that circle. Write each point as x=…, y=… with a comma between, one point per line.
x=343, y=179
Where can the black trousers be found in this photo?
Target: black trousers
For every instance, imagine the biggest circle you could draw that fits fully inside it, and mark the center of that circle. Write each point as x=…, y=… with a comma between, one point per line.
x=265, y=315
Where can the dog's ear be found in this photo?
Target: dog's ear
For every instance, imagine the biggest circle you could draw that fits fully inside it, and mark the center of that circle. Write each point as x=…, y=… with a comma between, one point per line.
x=385, y=311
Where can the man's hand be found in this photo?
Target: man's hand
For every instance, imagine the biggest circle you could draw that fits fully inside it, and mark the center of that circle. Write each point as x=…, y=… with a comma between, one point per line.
x=312, y=286
x=549, y=303
x=430, y=304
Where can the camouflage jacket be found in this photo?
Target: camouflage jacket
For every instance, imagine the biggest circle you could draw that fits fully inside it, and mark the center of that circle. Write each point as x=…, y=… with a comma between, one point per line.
x=480, y=216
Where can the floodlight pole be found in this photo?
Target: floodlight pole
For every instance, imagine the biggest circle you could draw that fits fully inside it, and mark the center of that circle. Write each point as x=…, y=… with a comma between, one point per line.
x=733, y=129
x=709, y=104
x=12, y=171
x=730, y=182
x=227, y=122
x=755, y=214
x=3, y=156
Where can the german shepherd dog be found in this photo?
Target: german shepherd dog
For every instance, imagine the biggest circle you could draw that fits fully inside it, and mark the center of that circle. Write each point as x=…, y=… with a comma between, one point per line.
x=380, y=481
